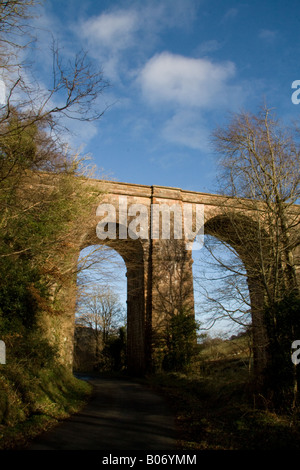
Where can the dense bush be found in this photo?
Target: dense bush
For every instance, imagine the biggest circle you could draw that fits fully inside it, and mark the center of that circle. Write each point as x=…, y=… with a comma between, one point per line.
x=282, y=377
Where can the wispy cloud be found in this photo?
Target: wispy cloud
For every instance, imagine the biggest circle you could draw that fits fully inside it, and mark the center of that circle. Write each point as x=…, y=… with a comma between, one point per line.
x=230, y=14
x=119, y=36
x=188, y=129
x=267, y=35
x=209, y=46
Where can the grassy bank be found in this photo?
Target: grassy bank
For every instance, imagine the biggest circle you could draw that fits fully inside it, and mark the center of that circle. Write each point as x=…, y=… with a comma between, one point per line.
x=215, y=408
x=31, y=402
x=213, y=403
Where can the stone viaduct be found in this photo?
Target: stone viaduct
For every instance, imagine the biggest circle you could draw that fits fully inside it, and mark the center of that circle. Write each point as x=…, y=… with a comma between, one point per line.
x=159, y=270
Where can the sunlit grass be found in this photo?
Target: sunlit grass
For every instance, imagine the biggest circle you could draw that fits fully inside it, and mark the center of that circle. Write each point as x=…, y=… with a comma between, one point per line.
x=31, y=403
x=215, y=406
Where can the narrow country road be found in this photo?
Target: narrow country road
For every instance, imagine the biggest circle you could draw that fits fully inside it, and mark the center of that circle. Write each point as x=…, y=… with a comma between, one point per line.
x=121, y=415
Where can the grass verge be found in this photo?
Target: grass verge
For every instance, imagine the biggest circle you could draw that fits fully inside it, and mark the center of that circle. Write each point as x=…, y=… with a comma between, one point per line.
x=215, y=408
x=31, y=403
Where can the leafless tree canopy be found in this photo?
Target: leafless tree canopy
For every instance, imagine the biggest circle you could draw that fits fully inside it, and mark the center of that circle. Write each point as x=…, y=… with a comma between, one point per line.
x=76, y=87
x=100, y=310
x=255, y=235
x=260, y=158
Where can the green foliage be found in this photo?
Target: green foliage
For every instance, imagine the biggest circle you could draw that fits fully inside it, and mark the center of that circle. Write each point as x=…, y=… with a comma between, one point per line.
x=32, y=400
x=38, y=216
x=180, y=341
x=41, y=200
x=282, y=378
x=113, y=355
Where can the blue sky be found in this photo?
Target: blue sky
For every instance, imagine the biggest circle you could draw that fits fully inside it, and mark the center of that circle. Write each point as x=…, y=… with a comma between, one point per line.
x=176, y=69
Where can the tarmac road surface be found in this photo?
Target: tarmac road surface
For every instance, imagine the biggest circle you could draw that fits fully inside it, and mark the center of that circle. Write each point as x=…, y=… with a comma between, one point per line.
x=121, y=415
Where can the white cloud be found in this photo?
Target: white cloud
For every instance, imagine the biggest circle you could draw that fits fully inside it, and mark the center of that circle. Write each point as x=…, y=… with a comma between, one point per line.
x=184, y=81
x=121, y=28
x=122, y=37
x=113, y=30
x=110, y=36
x=184, y=88
x=189, y=93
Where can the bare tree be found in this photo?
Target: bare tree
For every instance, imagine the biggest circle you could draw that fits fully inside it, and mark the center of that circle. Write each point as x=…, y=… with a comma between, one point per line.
x=36, y=168
x=76, y=84
x=14, y=27
x=261, y=166
x=221, y=293
x=100, y=310
x=259, y=220
x=101, y=264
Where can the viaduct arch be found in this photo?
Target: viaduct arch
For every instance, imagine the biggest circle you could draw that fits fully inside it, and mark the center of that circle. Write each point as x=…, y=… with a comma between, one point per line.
x=159, y=271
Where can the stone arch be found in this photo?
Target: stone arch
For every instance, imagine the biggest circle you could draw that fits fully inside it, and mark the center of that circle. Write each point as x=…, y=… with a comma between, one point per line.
x=240, y=231
x=132, y=252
